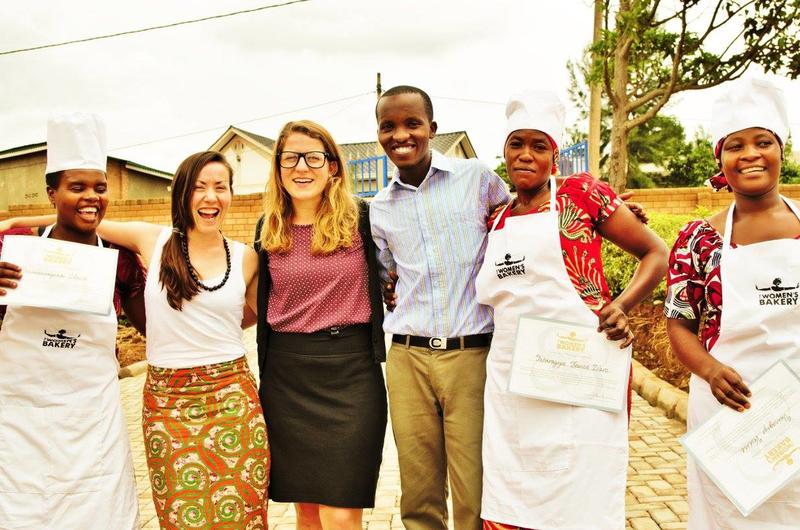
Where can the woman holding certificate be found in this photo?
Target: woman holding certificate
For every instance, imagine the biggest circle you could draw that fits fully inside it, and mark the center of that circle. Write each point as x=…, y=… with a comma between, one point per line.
x=548, y=464
x=65, y=459
x=749, y=257
x=204, y=431
x=320, y=335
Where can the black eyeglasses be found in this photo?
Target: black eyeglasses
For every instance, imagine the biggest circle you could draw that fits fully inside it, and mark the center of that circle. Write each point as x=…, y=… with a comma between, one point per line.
x=314, y=159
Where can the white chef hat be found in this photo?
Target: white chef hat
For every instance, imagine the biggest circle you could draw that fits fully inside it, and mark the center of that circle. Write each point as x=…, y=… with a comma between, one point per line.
x=541, y=110
x=750, y=103
x=76, y=140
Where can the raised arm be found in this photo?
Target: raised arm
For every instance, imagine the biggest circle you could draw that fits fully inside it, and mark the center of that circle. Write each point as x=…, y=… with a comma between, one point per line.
x=136, y=236
x=33, y=221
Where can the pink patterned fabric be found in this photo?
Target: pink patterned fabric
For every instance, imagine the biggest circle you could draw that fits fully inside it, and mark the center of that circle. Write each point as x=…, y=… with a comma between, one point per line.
x=310, y=293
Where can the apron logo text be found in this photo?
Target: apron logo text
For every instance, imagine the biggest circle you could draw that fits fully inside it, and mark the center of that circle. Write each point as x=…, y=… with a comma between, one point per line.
x=776, y=294
x=510, y=267
x=59, y=339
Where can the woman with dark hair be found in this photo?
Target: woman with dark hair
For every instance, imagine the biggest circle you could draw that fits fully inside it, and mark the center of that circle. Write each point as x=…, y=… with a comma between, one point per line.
x=741, y=256
x=204, y=431
x=320, y=338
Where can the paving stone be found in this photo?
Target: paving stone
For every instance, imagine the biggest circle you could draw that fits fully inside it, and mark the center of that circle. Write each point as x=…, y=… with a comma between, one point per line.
x=655, y=498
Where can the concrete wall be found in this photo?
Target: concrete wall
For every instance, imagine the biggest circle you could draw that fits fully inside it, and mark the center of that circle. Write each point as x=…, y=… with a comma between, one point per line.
x=145, y=186
x=22, y=180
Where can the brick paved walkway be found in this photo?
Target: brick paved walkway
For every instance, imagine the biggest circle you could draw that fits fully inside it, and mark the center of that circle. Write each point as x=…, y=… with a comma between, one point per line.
x=655, y=499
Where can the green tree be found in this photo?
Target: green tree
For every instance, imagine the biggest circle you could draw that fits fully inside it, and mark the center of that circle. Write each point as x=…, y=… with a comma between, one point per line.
x=650, y=50
x=790, y=170
x=502, y=172
x=655, y=143
x=693, y=165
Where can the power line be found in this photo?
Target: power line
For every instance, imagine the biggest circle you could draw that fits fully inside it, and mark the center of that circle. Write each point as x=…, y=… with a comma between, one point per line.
x=152, y=28
x=465, y=100
x=192, y=133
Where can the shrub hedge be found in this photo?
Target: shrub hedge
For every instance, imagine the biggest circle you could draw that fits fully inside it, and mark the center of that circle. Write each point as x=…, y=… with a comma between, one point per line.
x=619, y=265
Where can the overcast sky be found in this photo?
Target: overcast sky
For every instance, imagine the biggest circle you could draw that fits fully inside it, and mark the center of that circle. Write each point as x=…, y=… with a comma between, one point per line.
x=192, y=81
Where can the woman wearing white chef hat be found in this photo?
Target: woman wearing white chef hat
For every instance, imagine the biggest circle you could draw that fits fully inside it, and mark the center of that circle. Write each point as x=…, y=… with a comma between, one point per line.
x=65, y=460
x=550, y=465
x=741, y=253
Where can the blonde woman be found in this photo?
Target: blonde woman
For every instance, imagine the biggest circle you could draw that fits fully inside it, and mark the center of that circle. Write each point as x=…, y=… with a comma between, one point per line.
x=320, y=338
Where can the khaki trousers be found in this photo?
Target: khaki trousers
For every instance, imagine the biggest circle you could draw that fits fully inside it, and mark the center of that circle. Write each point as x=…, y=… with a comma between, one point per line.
x=436, y=406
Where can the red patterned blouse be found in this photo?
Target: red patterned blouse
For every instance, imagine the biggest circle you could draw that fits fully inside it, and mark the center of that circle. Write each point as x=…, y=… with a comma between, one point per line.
x=694, y=284
x=583, y=204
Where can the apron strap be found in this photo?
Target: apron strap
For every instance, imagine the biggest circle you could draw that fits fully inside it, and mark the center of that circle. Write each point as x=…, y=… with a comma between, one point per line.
x=500, y=216
x=49, y=229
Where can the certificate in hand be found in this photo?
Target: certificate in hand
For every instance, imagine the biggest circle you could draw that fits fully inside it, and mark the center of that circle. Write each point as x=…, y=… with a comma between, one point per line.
x=751, y=455
x=61, y=274
x=569, y=363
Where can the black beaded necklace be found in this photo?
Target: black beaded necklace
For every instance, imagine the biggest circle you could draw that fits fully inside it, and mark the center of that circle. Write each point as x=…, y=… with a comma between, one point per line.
x=193, y=273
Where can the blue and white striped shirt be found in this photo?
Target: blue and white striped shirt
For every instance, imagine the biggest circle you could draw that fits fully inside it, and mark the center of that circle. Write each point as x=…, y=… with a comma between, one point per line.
x=434, y=237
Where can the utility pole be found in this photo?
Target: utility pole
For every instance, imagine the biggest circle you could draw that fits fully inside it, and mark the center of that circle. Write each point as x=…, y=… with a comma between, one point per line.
x=595, y=99
x=378, y=89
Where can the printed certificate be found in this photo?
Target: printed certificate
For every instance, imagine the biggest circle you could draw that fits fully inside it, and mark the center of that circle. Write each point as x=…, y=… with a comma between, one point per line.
x=61, y=274
x=569, y=363
x=751, y=455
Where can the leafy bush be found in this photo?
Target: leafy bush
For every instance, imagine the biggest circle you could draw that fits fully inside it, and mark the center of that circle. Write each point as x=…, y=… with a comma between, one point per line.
x=619, y=265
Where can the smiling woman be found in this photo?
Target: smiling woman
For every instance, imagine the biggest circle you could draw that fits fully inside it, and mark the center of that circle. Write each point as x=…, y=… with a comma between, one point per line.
x=744, y=253
x=320, y=338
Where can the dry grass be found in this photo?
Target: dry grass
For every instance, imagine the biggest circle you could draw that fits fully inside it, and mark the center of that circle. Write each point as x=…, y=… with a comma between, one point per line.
x=651, y=345
x=130, y=345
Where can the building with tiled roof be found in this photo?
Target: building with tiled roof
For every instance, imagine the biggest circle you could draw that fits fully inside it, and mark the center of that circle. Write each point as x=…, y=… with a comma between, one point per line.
x=22, y=177
x=250, y=155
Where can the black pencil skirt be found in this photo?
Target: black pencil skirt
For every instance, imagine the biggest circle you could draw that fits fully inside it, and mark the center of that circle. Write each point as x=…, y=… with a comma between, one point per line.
x=325, y=408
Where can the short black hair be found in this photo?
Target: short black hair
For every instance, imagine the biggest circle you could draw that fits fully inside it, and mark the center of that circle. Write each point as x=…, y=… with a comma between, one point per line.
x=408, y=89
x=53, y=179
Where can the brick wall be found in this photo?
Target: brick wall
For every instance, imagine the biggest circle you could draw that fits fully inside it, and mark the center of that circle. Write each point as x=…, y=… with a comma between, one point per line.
x=246, y=209
x=239, y=223
x=687, y=200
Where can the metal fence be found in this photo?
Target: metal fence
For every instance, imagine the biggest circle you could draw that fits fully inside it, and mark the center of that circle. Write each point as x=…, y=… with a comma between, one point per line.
x=574, y=159
x=369, y=174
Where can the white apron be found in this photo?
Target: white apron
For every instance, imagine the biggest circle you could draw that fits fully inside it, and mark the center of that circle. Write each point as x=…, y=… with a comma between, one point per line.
x=65, y=459
x=545, y=465
x=752, y=337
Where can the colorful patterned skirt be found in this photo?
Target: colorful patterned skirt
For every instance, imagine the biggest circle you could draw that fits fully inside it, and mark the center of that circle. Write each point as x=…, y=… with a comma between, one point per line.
x=206, y=447
x=489, y=525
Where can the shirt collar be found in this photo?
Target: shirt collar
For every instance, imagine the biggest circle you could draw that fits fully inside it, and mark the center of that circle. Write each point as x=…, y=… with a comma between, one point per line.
x=439, y=162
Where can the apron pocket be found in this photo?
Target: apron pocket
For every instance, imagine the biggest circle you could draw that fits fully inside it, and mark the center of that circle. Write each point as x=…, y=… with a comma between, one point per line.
x=76, y=450
x=546, y=438
x=24, y=449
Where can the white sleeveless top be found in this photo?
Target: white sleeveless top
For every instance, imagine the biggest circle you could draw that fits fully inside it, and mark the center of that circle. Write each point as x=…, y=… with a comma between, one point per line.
x=208, y=330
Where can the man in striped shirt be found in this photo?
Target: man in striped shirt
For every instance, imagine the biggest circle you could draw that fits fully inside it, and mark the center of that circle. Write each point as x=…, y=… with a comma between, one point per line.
x=429, y=225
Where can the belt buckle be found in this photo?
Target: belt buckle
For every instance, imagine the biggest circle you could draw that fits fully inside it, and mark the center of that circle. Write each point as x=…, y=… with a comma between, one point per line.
x=334, y=330
x=437, y=343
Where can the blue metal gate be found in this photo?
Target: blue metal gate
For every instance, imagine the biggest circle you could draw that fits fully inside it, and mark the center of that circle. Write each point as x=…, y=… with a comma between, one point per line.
x=574, y=159
x=369, y=174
